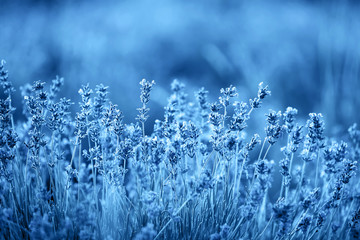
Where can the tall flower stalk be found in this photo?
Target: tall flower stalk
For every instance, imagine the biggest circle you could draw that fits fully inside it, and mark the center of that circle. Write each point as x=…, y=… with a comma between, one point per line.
x=202, y=173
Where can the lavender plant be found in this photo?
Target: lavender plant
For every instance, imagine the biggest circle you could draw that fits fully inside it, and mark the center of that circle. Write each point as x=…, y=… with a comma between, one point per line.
x=198, y=174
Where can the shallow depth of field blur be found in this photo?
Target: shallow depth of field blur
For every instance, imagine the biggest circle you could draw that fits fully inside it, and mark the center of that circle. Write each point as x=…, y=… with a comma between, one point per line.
x=194, y=179
x=308, y=51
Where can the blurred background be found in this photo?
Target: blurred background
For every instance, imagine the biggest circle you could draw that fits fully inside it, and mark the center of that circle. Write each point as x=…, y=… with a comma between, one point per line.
x=307, y=51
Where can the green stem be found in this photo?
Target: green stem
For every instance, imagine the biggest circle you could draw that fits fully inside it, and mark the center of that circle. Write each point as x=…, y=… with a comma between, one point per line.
x=290, y=167
x=176, y=213
x=317, y=168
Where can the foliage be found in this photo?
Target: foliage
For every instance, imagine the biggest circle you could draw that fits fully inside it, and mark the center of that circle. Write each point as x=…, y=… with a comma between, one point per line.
x=199, y=175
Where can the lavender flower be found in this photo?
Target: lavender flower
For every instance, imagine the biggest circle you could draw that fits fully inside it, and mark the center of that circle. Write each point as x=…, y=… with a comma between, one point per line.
x=238, y=122
x=198, y=174
x=262, y=93
x=255, y=140
x=282, y=216
x=227, y=93
x=146, y=88
x=316, y=129
x=289, y=118
x=4, y=79
x=311, y=199
x=273, y=129
x=201, y=97
x=304, y=224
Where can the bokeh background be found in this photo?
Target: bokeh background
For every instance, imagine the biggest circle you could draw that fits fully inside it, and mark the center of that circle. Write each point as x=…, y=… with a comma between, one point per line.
x=307, y=51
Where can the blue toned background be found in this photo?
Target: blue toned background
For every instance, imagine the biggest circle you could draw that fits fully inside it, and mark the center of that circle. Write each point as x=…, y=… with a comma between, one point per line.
x=307, y=51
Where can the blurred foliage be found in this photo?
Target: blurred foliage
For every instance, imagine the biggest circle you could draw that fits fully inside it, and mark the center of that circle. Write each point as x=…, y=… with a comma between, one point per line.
x=307, y=50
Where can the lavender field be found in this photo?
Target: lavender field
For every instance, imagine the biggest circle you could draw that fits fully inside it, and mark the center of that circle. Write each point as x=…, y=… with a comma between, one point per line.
x=248, y=130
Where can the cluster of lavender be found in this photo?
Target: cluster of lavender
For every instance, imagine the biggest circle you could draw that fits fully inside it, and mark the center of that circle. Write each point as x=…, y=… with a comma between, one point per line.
x=199, y=175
